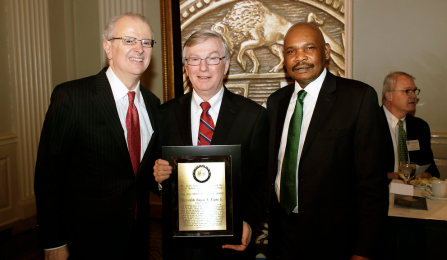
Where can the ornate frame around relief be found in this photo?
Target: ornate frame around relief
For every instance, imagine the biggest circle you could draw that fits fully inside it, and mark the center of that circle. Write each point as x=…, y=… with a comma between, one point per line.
x=258, y=71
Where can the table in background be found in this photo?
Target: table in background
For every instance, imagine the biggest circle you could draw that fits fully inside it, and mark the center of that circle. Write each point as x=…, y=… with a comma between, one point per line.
x=415, y=233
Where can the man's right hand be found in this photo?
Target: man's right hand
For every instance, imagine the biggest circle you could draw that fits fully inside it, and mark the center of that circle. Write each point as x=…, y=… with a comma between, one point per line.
x=60, y=253
x=162, y=170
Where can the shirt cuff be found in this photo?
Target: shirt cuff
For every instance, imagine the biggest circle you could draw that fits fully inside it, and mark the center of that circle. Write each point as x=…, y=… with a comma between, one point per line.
x=47, y=249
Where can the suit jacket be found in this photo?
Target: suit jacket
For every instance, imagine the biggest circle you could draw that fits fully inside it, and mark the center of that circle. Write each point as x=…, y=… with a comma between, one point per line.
x=418, y=129
x=241, y=121
x=342, y=180
x=85, y=187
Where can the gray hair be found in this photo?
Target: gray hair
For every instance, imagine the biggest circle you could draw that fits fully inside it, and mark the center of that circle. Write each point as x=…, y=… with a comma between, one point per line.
x=107, y=34
x=202, y=36
x=391, y=79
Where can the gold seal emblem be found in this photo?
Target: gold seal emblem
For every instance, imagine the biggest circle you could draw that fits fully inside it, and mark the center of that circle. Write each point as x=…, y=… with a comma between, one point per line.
x=201, y=173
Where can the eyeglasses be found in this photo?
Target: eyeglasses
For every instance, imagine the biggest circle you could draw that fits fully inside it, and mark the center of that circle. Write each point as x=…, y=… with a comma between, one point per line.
x=209, y=61
x=148, y=43
x=409, y=92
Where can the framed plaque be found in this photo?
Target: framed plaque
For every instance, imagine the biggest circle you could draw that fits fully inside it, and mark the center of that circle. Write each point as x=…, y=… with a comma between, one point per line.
x=204, y=194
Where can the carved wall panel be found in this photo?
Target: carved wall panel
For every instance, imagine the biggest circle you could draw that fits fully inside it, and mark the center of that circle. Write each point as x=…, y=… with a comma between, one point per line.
x=255, y=30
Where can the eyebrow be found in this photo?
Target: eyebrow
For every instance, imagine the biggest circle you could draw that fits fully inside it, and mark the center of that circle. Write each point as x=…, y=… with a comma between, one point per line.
x=305, y=44
x=209, y=54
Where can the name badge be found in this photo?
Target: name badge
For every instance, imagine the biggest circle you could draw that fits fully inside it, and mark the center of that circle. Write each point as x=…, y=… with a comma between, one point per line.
x=413, y=145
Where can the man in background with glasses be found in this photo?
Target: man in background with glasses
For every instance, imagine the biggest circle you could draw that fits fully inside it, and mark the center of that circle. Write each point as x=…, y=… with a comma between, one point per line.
x=96, y=151
x=410, y=135
x=211, y=115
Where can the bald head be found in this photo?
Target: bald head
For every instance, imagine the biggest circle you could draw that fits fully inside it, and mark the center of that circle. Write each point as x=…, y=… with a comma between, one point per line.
x=305, y=53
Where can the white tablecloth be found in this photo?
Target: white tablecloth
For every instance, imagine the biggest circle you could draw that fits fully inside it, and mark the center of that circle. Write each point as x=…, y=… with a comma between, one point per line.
x=436, y=210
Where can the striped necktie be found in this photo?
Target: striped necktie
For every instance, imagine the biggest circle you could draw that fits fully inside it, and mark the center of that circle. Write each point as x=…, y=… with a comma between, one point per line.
x=206, y=128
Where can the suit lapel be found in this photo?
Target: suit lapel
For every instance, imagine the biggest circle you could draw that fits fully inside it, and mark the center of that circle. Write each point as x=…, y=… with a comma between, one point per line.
x=151, y=114
x=104, y=101
x=409, y=125
x=227, y=114
x=322, y=108
x=183, y=112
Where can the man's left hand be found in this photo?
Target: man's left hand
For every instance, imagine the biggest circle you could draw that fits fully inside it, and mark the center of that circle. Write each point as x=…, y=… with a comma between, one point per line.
x=425, y=175
x=357, y=257
x=246, y=238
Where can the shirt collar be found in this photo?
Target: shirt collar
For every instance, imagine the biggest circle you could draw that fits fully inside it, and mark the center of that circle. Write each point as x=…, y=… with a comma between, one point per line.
x=214, y=101
x=119, y=90
x=313, y=88
x=392, y=120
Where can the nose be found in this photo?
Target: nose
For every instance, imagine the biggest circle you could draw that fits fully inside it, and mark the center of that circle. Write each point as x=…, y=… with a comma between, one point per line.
x=203, y=66
x=138, y=47
x=300, y=56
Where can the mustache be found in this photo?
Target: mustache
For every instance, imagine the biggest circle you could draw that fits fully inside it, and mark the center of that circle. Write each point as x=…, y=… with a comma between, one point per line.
x=310, y=65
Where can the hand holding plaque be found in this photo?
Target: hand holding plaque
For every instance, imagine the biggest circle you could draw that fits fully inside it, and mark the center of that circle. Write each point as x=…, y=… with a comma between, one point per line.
x=162, y=170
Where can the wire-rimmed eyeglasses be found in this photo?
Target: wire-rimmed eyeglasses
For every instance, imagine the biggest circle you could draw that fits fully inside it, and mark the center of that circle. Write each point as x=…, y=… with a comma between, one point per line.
x=128, y=40
x=195, y=61
x=409, y=92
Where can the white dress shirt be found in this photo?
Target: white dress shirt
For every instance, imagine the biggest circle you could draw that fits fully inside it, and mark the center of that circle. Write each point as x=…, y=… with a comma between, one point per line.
x=122, y=104
x=394, y=130
x=313, y=90
x=196, y=112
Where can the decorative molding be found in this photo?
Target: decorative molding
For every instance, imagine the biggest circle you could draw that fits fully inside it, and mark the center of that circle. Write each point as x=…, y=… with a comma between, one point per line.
x=111, y=8
x=31, y=78
x=6, y=139
x=5, y=184
x=440, y=162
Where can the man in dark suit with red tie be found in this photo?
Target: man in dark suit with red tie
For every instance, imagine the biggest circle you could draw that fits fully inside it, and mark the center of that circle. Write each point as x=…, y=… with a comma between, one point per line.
x=95, y=154
x=328, y=189
x=212, y=115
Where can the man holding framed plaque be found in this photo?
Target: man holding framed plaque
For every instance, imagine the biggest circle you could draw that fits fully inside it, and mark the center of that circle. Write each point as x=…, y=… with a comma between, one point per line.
x=212, y=115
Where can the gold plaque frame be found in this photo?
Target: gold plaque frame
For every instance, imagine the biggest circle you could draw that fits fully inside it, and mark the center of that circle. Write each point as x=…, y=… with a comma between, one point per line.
x=175, y=190
x=178, y=15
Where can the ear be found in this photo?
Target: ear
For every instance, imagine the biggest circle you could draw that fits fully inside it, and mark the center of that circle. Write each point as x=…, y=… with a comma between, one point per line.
x=327, y=51
x=388, y=96
x=107, y=45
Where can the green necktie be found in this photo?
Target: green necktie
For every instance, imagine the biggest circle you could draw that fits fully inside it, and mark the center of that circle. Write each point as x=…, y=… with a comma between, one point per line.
x=402, y=143
x=288, y=197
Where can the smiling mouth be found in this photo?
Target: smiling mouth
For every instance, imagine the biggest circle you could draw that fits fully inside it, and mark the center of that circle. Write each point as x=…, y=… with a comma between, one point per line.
x=200, y=77
x=136, y=59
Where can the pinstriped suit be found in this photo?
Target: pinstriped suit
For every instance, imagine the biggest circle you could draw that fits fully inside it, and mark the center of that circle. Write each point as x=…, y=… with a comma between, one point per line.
x=85, y=187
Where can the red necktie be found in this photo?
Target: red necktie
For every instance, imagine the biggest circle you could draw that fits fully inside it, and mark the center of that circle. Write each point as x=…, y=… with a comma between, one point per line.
x=206, y=128
x=133, y=133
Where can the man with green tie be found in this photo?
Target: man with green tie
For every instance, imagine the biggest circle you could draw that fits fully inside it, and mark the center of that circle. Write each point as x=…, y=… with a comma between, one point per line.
x=410, y=135
x=327, y=184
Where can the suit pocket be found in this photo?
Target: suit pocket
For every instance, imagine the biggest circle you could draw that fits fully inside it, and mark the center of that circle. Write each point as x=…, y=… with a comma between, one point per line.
x=332, y=133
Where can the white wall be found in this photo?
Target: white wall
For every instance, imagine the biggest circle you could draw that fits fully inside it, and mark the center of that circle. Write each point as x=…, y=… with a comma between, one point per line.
x=404, y=35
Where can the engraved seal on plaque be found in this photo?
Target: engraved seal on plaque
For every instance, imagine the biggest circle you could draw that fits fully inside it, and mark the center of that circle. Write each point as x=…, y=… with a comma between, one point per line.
x=201, y=173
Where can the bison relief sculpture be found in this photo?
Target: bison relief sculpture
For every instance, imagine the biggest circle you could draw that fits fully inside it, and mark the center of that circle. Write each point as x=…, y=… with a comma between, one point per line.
x=249, y=25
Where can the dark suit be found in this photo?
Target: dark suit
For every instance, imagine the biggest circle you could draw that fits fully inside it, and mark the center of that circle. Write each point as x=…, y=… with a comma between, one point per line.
x=85, y=186
x=418, y=129
x=240, y=121
x=342, y=180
